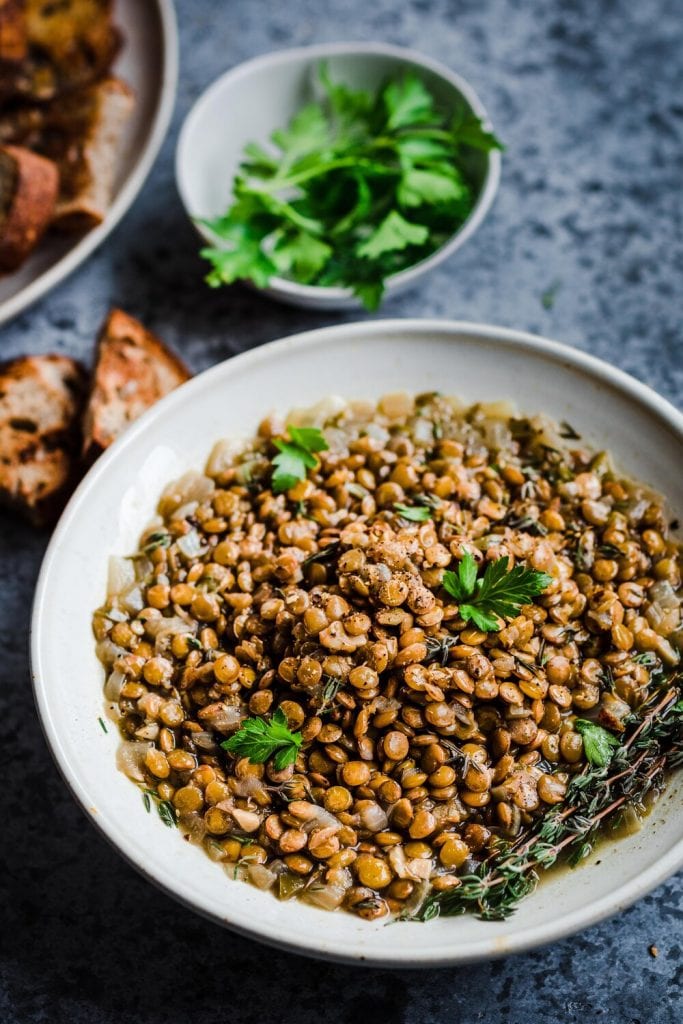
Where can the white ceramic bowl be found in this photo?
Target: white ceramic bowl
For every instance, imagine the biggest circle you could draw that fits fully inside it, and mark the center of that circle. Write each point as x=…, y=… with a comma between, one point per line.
x=251, y=100
x=117, y=499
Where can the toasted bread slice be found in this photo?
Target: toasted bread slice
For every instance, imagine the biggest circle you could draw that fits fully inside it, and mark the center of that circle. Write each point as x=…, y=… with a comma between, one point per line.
x=28, y=193
x=13, y=31
x=88, y=159
x=53, y=48
x=41, y=398
x=134, y=369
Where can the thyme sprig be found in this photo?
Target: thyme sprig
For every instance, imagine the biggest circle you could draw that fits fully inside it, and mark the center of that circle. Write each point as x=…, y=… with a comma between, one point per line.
x=495, y=888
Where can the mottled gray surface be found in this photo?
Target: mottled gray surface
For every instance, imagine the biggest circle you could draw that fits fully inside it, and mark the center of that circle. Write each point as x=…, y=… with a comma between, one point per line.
x=588, y=99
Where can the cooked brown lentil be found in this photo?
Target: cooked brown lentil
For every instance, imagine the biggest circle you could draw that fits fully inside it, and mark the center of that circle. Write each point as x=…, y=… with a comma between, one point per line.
x=424, y=738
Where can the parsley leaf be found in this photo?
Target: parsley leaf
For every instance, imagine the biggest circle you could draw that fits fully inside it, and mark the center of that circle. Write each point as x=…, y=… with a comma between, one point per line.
x=357, y=187
x=259, y=740
x=395, y=232
x=302, y=254
x=499, y=594
x=598, y=743
x=408, y=102
x=418, y=187
x=414, y=513
x=296, y=456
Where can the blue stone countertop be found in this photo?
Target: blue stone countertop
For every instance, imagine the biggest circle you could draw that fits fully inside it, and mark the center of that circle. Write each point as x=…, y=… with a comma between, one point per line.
x=588, y=98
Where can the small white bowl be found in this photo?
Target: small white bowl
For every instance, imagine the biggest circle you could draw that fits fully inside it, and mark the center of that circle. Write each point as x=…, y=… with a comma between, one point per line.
x=116, y=501
x=250, y=101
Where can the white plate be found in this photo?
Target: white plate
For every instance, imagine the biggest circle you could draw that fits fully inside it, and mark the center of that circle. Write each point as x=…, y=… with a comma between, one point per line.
x=148, y=62
x=118, y=497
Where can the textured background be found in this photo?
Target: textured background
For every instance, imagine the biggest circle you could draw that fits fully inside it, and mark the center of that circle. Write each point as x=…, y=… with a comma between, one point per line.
x=587, y=96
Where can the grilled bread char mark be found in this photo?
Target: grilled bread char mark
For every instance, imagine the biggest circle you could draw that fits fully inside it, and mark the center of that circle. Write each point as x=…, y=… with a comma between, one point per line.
x=41, y=399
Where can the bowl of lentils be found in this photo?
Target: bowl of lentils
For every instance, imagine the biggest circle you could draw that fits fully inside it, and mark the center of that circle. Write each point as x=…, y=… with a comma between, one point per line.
x=397, y=657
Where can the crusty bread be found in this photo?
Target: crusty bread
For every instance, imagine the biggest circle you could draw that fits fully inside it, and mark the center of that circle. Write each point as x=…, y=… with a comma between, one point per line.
x=88, y=156
x=41, y=398
x=53, y=47
x=13, y=34
x=28, y=194
x=134, y=369
x=82, y=133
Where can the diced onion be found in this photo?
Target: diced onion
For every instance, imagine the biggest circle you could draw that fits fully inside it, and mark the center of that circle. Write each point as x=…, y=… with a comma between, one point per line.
x=108, y=652
x=132, y=600
x=190, y=487
x=223, y=456
x=165, y=626
x=192, y=825
x=327, y=897
x=262, y=877
x=112, y=687
x=190, y=544
x=130, y=756
x=121, y=575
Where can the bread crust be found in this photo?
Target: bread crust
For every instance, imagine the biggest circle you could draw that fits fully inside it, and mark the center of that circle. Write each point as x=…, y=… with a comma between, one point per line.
x=89, y=160
x=133, y=370
x=31, y=209
x=41, y=400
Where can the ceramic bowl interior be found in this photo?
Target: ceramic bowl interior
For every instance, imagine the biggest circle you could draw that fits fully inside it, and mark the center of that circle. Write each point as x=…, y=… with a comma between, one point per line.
x=248, y=102
x=118, y=498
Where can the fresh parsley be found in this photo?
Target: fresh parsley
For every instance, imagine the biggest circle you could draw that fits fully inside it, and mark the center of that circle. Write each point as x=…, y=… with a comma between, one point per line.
x=357, y=187
x=598, y=743
x=296, y=456
x=414, y=513
x=498, y=594
x=259, y=740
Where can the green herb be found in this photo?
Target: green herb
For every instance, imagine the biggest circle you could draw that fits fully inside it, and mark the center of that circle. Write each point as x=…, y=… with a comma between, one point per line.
x=146, y=801
x=567, y=430
x=499, y=594
x=167, y=813
x=296, y=456
x=528, y=524
x=326, y=554
x=439, y=648
x=645, y=658
x=610, y=551
x=260, y=740
x=193, y=643
x=331, y=687
x=102, y=725
x=354, y=189
x=598, y=743
x=637, y=769
x=160, y=539
x=414, y=513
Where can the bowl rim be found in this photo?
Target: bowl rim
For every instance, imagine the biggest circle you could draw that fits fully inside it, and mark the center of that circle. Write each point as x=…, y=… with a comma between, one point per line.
x=291, y=289
x=527, y=938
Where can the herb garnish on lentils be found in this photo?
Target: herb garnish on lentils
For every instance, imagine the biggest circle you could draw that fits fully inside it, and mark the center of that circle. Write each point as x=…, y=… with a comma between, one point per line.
x=356, y=188
x=394, y=715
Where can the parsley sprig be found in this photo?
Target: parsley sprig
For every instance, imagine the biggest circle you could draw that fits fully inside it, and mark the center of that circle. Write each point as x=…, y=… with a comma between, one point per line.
x=413, y=513
x=355, y=188
x=498, y=594
x=598, y=743
x=296, y=456
x=259, y=740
